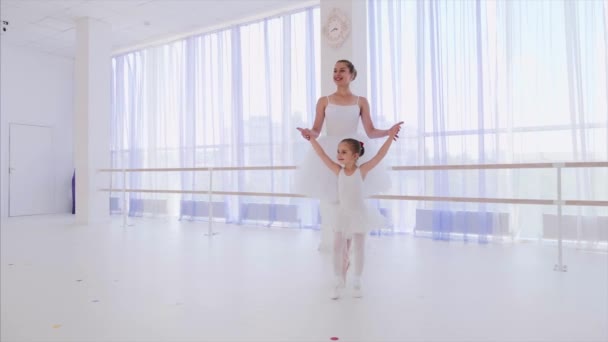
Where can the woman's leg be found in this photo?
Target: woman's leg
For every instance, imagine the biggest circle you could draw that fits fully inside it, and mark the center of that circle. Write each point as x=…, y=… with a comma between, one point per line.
x=326, y=230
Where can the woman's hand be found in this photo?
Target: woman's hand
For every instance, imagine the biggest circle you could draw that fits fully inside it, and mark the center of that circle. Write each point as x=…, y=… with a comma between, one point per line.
x=306, y=133
x=394, y=131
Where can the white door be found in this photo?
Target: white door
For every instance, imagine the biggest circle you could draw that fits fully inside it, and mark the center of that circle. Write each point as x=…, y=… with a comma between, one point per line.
x=31, y=171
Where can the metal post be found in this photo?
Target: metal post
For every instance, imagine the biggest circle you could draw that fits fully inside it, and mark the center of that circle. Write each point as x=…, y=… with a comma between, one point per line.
x=560, y=267
x=210, y=232
x=124, y=198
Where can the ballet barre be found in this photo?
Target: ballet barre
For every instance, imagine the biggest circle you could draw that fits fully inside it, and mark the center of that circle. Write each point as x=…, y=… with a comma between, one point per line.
x=559, y=202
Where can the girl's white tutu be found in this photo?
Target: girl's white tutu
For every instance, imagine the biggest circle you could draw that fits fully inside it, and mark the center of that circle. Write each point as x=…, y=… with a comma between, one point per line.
x=352, y=214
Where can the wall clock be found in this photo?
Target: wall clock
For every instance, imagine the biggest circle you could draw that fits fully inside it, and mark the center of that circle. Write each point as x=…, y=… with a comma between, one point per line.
x=336, y=28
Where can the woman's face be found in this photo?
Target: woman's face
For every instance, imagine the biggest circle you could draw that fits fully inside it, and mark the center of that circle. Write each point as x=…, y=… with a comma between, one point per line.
x=342, y=75
x=345, y=154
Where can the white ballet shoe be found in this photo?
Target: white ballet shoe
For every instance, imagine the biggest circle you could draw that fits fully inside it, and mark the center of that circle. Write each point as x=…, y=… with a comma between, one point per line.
x=335, y=293
x=339, y=285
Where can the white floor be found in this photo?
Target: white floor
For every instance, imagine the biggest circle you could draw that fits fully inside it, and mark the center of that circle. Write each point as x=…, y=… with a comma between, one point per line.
x=166, y=281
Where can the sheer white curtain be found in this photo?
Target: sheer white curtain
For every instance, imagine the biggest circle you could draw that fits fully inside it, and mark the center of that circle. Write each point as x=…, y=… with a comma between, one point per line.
x=492, y=82
x=226, y=98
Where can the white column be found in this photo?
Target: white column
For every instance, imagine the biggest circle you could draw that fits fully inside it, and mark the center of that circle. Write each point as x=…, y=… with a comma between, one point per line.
x=354, y=47
x=92, y=110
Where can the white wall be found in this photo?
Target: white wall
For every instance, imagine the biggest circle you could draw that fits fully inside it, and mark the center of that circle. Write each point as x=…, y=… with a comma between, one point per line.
x=92, y=108
x=354, y=47
x=37, y=88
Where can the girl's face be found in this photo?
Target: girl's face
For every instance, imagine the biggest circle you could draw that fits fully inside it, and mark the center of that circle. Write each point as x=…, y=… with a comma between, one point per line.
x=345, y=154
x=342, y=75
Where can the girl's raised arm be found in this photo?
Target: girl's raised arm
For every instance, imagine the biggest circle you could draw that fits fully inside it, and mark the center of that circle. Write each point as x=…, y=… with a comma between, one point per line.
x=335, y=167
x=366, y=167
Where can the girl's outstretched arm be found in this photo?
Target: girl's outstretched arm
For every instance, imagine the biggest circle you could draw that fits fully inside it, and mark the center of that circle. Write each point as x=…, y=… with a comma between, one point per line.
x=366, y=167
x=335, y=167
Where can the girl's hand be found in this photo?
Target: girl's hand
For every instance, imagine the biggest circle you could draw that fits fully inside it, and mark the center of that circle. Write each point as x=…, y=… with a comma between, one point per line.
x=393, y=132
x=306, y=134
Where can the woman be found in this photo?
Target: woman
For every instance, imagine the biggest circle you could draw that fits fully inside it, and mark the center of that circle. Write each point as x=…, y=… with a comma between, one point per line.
x=342, y=112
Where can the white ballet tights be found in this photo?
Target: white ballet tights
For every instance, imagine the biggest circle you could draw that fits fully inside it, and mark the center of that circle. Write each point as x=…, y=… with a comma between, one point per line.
x=359, y=242
x=342, y=247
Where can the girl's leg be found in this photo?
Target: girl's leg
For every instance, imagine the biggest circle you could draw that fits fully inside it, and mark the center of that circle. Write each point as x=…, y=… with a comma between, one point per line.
x=339, y=249
x=346, y=258
x=338, y=259
x=359, y=242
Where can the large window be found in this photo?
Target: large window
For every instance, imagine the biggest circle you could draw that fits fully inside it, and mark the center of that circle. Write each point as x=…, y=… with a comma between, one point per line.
x=492, y=82
x=226, y=98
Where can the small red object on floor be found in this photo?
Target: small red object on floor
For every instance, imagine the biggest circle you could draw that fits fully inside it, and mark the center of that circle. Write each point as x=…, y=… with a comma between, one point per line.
x=334, y=338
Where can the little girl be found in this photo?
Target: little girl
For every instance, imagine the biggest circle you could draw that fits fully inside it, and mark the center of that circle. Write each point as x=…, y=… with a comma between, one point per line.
x=351, y=218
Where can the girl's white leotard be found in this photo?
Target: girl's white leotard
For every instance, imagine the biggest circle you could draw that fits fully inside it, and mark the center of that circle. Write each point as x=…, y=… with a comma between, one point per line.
x=351, y=214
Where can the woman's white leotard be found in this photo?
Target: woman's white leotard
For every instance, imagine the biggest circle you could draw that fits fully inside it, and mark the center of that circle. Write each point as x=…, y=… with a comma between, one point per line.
x=314, y=179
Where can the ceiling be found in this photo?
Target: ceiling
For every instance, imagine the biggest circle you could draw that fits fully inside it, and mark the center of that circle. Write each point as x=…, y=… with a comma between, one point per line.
x=49, y=25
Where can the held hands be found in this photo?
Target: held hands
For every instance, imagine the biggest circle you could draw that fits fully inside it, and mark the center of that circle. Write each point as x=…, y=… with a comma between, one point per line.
x=393, y=132
x=306, y=133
